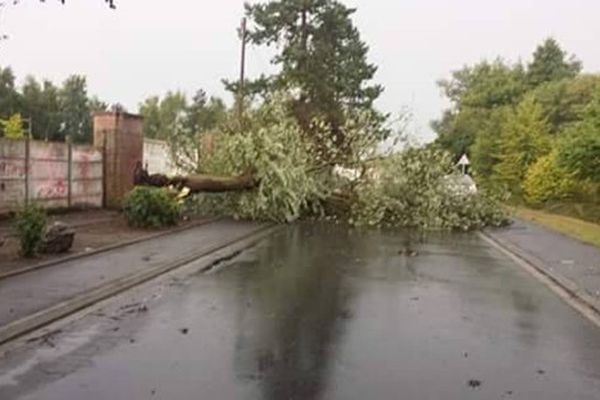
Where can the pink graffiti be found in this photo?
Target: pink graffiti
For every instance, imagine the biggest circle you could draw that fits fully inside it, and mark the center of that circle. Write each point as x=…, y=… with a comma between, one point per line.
x=8, y=168
x=56, y=189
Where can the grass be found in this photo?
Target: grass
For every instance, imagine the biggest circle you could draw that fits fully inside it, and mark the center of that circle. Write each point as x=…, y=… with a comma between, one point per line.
x=585, y=231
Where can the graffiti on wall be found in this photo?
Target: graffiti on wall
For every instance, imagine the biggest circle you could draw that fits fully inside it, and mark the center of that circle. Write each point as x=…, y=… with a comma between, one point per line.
x=51, y=178
x=12, y=168
x=52, y=189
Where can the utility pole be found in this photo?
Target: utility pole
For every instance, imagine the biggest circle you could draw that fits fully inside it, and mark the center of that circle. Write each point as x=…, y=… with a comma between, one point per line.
x=242, y=71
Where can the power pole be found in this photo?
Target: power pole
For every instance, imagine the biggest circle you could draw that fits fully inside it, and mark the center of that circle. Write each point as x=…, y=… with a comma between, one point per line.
x=242, y=71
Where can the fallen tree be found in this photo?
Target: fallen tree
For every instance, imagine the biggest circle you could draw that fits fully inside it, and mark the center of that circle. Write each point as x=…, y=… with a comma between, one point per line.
x=294, y=178
x=196, y=183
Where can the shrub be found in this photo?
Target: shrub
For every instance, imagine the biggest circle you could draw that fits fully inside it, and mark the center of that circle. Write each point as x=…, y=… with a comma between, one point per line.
x=30, y=224
x=150, y=207
x=547, y=181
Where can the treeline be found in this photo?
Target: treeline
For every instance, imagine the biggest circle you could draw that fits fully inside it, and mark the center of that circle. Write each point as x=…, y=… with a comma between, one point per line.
x=175, y=114
x=530, y=130
x=54, y=111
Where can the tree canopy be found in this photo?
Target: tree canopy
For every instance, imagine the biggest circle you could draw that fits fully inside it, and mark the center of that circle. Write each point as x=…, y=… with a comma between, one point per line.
x=533, y=131
x=321, y=58
x=54, y=111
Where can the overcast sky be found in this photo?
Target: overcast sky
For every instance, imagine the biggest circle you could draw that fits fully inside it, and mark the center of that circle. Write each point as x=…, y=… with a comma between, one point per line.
x=146, y=47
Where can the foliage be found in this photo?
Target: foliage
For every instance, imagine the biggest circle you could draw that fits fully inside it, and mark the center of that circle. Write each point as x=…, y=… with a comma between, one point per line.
x=150, y=207
x=183, y=124
x=13, y=127
x=40, y=103
x=546, y=181
x=486, y=147
x=9, y=97
x=476, y=93
x=550, y=64
x=524, y=138
x=30, y=225
x=564, y=101
x=275, y=150
x=55, y=111
x=579, y=148
x=419, y=188
x=297, y=179
x=485, y=85
x=579, y=153
x=75, y=111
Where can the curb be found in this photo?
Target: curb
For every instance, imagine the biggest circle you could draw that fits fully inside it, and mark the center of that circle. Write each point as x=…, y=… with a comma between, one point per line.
x=10, y=233
x=565, y=288
x=104, y=249
x=63, y=309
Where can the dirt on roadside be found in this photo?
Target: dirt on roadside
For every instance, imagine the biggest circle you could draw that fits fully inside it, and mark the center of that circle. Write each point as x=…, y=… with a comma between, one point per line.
x=94, y=229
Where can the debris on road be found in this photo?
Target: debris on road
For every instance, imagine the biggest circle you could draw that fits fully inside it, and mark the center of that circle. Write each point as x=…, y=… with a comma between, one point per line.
x=58, y=239
x=474, y=383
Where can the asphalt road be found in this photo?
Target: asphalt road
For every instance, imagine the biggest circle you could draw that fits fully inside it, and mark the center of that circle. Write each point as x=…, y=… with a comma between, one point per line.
x=320, y=312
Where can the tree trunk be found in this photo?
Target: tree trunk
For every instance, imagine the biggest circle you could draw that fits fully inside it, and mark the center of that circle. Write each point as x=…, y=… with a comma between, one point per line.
x=196, y=183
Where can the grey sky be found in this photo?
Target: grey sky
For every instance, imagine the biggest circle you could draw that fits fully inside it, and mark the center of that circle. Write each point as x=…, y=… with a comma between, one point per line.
x=146, y=47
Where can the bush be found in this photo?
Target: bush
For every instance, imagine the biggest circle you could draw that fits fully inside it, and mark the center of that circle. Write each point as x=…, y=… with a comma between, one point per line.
x=150, y=207
x=30, y=224
x=546, y=181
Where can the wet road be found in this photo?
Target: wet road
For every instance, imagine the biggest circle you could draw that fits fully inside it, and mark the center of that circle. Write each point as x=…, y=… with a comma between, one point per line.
x=319, y=312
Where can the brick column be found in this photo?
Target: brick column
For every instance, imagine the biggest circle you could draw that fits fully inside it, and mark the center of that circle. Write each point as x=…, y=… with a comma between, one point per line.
x=121, y=137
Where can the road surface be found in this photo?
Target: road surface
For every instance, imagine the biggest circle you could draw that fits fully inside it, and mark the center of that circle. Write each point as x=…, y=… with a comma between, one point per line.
x=321, y=312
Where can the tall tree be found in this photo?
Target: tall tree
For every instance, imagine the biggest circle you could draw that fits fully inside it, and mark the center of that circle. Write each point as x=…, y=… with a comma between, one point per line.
x=564, y=101
x=172, y=111
x=9, y=97
x=75, y=110
x=41, y=105
x=204, y=114
x=525, y=137
x=150, y=110
x=550, y=63
x=322, y=59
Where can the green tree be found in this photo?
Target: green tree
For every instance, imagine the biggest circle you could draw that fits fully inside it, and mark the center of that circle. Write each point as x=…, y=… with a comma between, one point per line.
x=524, y=138
x=75, y=110
x=550, y=63
x=172, y=110
x=13, y=127
x=322, y=59
x=579, y=148
x=475, y=92
x=150, y=110
x=41, y=104
x=564, y=101
x=9, y=97
x=204, y=114
x=486, y=147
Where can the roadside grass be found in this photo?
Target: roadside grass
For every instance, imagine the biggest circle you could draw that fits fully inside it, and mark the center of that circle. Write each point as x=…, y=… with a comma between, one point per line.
x=585, y=231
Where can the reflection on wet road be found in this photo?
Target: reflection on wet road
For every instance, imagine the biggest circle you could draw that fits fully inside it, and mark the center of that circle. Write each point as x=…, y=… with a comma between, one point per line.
x=321, y=312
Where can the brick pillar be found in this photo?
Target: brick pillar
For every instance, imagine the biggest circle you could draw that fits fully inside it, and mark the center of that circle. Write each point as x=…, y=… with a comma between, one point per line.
x=121, y=137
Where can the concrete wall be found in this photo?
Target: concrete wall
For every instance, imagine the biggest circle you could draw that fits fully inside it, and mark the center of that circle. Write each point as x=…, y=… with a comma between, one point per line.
x=52, y=174
x=157, y=157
